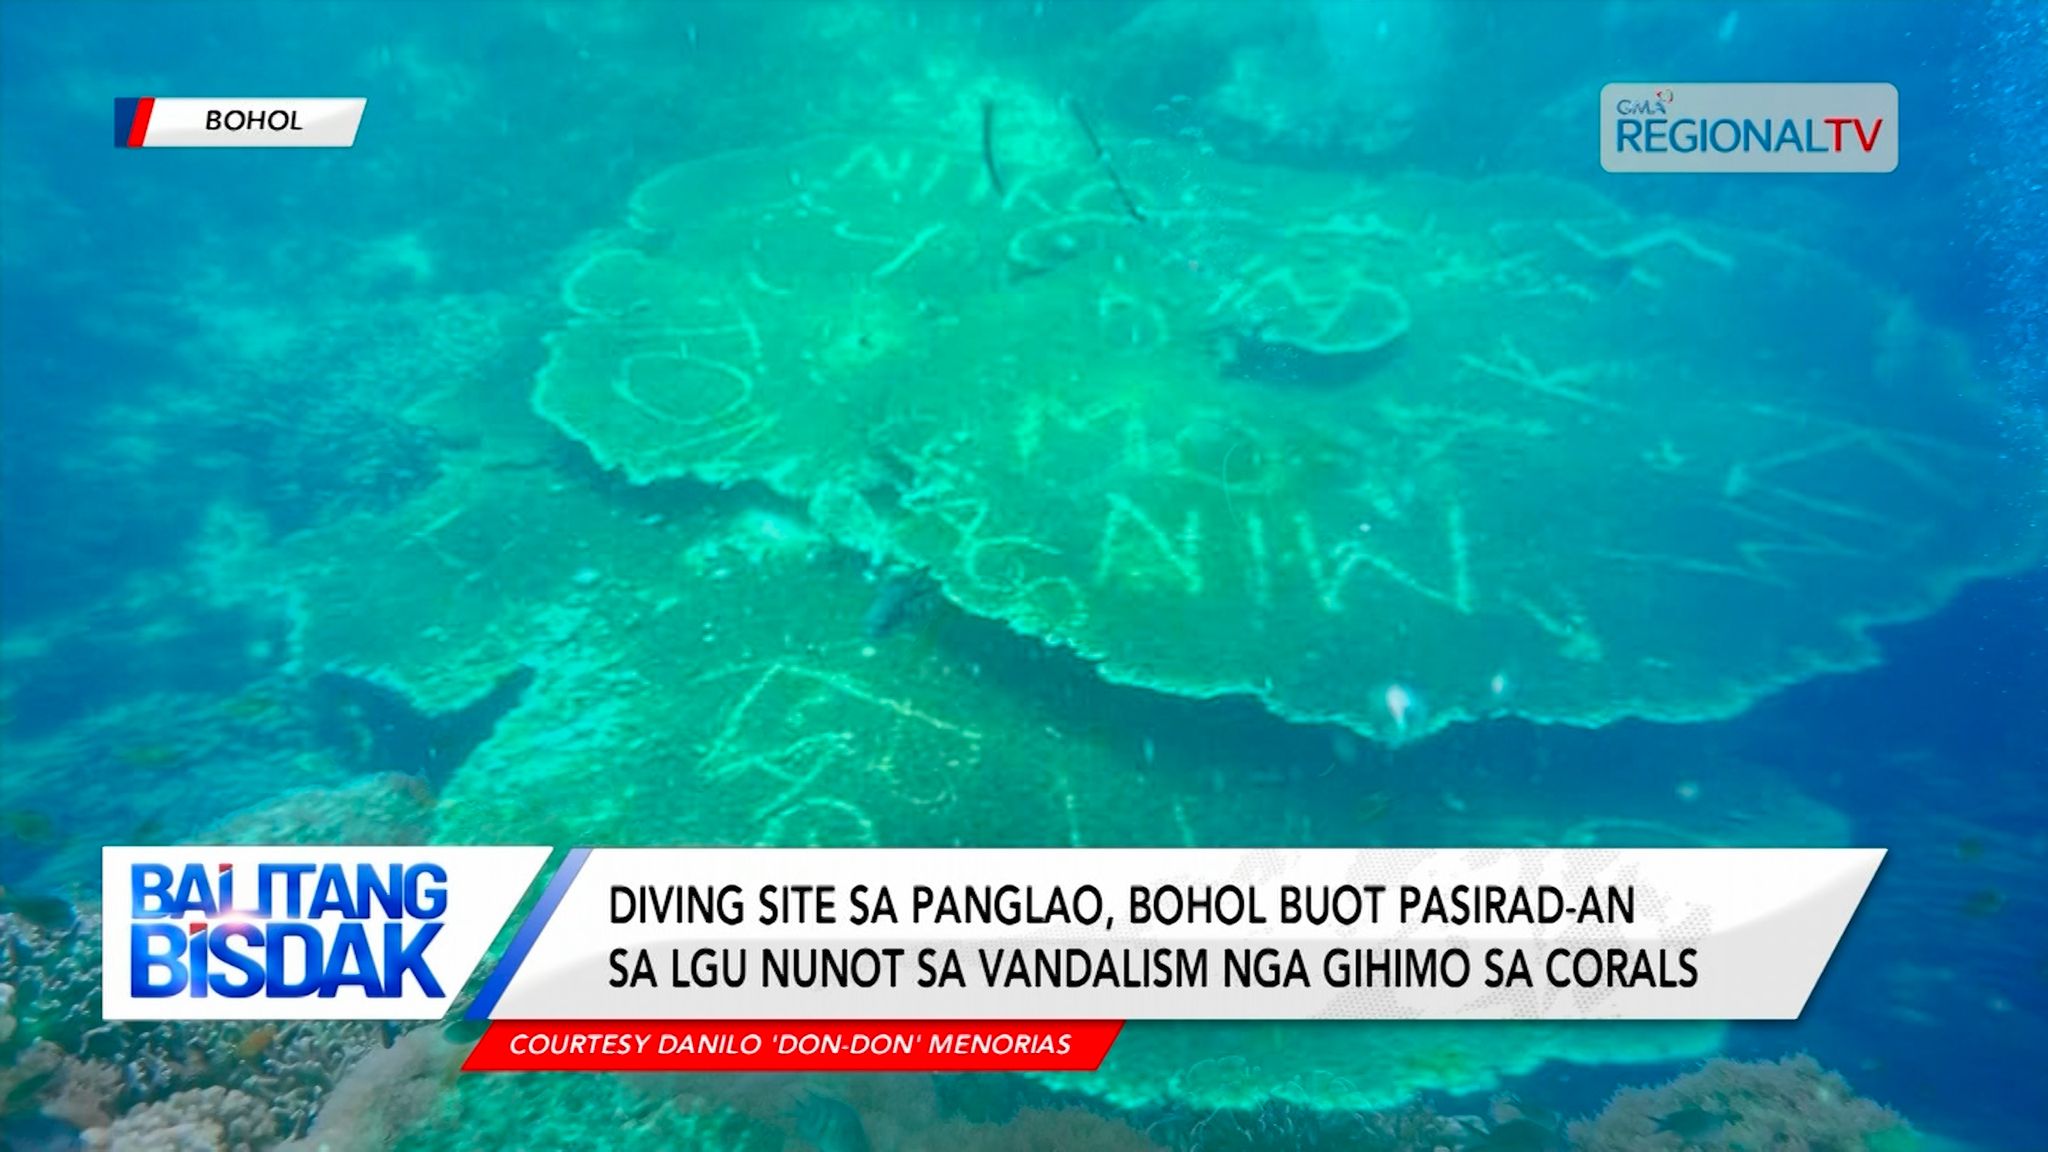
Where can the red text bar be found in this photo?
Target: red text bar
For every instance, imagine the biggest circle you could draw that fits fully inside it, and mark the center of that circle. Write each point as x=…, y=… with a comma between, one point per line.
x=793, y=1046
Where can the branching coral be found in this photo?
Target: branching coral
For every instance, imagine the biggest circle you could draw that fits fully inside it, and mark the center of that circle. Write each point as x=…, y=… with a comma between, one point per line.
x=197, y=1120
x=67, y=1061
x=54, y=971
x=1790, y=1105
x=385, y=1092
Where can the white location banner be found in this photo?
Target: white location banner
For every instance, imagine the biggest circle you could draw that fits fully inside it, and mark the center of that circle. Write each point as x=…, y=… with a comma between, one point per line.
x=1157, y=934
x=237, y=121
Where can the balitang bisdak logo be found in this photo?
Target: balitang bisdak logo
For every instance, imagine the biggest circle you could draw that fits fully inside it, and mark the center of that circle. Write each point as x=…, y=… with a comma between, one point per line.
x=329, y=933
x=1749, y=128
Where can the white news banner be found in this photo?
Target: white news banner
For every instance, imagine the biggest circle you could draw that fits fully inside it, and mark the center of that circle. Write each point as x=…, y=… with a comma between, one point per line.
x=1132, y=934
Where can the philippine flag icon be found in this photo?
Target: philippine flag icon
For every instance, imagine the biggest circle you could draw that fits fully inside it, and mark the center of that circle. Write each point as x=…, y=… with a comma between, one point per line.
x=131, y=120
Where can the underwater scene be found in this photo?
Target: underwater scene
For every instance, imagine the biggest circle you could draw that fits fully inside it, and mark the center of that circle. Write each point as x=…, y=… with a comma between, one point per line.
x=1031, y=422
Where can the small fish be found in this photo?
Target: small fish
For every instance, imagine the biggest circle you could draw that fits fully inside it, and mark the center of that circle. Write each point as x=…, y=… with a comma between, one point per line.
x=831, y=1124
x=35, y=829
x=257, y=1042
x=391, y=1032
x=1984, y=902
x=894, y=600
x=1373, y=806
x=54, y=913
x=251, y=706
x=148, y=756
x=1970, y=848
x=1692, y=1123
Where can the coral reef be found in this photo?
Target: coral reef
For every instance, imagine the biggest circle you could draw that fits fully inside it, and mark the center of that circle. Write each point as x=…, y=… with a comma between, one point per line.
x=703, y=655
x=55, y=974
x=572, y=1110
x=42, y=1079
x=70, y=1063
x=1788, y=1105
x=212, y=1119
x=383, y=808
x=62, y=1059
x=1220, y=446
x=792, y=1113
x=1357, y=1065
x=385, y=1092
x=114, y=709
x=337, y=443
x=1035, y=1130
x=1412, y=1127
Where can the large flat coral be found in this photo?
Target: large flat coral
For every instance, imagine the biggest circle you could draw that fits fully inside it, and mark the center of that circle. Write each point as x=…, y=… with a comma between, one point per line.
x=1388, y=452
x=701, y=676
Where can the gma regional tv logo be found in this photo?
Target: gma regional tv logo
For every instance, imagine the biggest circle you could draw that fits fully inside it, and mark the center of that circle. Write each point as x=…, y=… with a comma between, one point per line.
x=1733, y=128
x=301, y=933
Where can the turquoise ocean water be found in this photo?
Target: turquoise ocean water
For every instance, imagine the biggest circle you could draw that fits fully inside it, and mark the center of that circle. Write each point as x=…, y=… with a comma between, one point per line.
x=325, y=513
